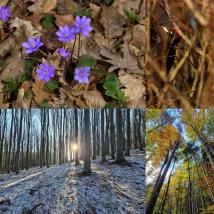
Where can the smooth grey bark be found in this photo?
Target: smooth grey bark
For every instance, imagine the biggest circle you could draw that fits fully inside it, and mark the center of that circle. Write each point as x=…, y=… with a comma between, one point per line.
x=103, y=136
x=76, y=137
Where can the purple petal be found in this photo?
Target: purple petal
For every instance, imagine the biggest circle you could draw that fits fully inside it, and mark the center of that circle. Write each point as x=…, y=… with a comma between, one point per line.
x=58, y=33
x=28, y=51
x=87, y=68
x=46, y=78
x=31, y=40
x=26, y=45
x=78, y=20
x=40, y=77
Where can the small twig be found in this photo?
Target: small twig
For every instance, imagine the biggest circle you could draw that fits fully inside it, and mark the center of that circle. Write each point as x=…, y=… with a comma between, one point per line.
x=201, y=71
x=42, y=52
x=160, y=73
x=179, y=31
x=201, y=19
x=175, y=71
x=185, y=102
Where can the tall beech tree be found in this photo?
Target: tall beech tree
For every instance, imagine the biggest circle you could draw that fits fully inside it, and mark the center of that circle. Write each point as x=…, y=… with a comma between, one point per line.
x=120, y=153
x=87, y=143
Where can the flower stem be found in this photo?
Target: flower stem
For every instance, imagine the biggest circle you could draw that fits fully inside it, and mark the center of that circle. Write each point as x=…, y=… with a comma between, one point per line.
x=42, y=52
x=72, y=52
x=79, y=48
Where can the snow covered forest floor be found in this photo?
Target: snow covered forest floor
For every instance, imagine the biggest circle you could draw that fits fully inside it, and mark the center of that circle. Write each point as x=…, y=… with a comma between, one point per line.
x=110, y=189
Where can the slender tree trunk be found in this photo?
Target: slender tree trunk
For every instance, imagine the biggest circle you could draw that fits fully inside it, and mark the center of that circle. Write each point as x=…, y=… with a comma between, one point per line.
x=119, y=155
x=77, y=162
x=200, y=191
x=19, y=141
x=140, y=131
x=2, y=138
x=112, y=128
x=47, y=139
x=10, y=141
x=28, y=139
x=87, y=150
x=207, y=182
x=103, y=136
x=190, y=189
x=155, y=193
x=128, y=146
x=94, y=151
x=207, y=146
x=167, y=190
x=162, y=167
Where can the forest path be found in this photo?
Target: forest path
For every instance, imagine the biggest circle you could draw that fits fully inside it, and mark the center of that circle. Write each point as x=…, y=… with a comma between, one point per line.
x=26, y=192
x=23, y=176
x=110, y=189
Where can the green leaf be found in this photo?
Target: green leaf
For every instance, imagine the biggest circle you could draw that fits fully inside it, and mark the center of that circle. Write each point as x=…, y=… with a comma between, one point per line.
x=132, y=16
x=121, y=95
x=44, y=104
x=112, y=85
x=29, y=66
x=10, y=85
x=83, y=12
x=86, y=60
x=110, y=106
x=2, y=62
x=47, y=21
x=108, y=2
x=111, y=94
x=51, y=85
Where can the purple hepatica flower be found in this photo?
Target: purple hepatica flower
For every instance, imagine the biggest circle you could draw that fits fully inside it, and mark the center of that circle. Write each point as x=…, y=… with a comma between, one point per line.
x=4, y=13
x=66, y=33
x=82, y=75
x=45, y=71
x=64, y=53
x=82, y=25
x=32, y=45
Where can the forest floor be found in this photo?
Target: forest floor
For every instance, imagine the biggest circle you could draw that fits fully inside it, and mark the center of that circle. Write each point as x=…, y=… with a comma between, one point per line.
x=115, y=46
x=110, y=189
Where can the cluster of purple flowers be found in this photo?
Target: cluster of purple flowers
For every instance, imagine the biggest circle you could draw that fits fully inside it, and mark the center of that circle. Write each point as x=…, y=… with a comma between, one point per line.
x=65, y=34
x=81, y=25
x=4, y=13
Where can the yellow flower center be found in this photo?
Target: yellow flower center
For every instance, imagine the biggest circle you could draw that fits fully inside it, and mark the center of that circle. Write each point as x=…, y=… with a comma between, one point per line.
x=66, y=35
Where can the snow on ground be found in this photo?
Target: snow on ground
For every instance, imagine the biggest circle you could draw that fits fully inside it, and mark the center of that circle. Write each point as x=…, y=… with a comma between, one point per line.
x=111, y=189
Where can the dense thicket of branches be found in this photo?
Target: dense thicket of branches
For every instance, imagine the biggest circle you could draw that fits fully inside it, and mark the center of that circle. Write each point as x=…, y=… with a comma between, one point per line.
x=41, y=137
x=180, y=53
